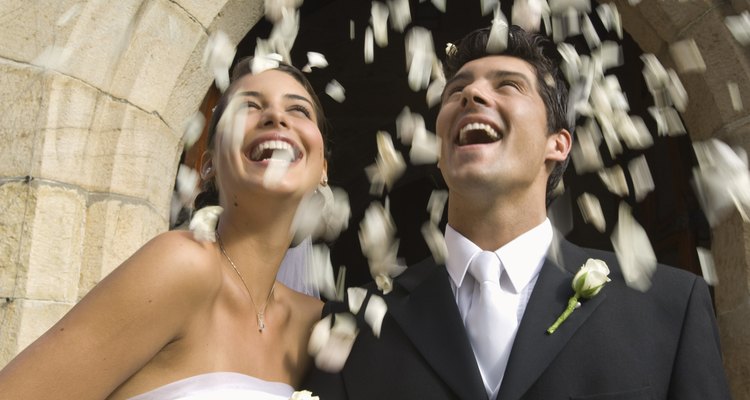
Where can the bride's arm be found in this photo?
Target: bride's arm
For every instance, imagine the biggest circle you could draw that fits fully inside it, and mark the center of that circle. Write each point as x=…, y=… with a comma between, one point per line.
x=119, y=326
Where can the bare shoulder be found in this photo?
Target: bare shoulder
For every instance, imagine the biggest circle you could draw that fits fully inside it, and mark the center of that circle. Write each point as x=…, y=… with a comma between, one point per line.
x=308, y=307
x=178, y=262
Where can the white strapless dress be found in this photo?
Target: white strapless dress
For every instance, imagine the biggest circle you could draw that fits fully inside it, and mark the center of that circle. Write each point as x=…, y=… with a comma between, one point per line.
x=220, y=385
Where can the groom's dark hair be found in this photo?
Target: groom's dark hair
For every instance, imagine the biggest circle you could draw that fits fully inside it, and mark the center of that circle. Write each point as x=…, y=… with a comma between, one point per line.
x=541, y=53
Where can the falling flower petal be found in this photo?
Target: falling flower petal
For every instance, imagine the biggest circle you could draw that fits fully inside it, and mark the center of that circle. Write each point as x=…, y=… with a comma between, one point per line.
x=330, y=346
x=369, y=46
x=278, y=164
x=72, y=12
x=436, y=205
x=591, y=211
x=52, y=57
x=406, y=123
x=498, y=37
x=488, y=5
x=708, y=269
x=439, y=4
x=321, y=271
x=400, y=14
x=351, y=29
x=643, y=183
x=614, y=180
x=734, y=95
x=425, y=148
x=528, y=13
x=274, y=9
x=435, y=241
x=193, y=129
x=203, y=223
x=739, y=25
x=389, y=164
x=187, y=184
x=585, y=150
x=610, y=17
x=589, y=33
x=633, y=250
x=375, y=312
x=435, y=92
x=380, y=13
x=721, y=180
x=355, y=296
x=420, y=57
x=687, y=56
x=677, y=93
x=315, y=60
x=633, y=131
x=335, y=90
x=218, y=56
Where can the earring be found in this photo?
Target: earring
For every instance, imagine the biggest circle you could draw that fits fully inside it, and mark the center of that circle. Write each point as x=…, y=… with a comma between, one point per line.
x=324, y=182
x=206, y=170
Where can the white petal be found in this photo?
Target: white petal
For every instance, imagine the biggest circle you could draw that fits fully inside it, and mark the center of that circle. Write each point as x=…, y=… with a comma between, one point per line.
x=436, y=205
x=332, y=356
x=218, y=56
x=734, y=95
x=336, y=91
x=498, y=38
x=322, y=271
x=319, y=336
x=614, y=180
x=591, y=211
x=316, y=60
x=72, y=12
x=369, y=46
x=633, y=250
x=435, y=92
x=687, y=56
x=643, y=183
x=379, y=13
x=356, y=296
x=374, y=313
x=439, y=4
x=420, y=57
x=193, y=129
x=203, y=223
x=278, y=164
x=739, y=25
x=528, y=13
x=187, y=184
x=400, y=14
x=708, y=269
x=435, y=242
x=425, y=148
x=488, y=5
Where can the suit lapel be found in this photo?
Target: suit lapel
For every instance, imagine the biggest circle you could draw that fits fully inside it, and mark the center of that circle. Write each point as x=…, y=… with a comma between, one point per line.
x=429, y=317
x=534, y=349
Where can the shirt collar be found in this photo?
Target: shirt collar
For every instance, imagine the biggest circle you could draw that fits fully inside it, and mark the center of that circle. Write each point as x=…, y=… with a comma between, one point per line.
x=522, y=257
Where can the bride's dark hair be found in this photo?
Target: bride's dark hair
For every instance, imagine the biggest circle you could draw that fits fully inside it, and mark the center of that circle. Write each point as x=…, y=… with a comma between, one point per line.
x=209, y=194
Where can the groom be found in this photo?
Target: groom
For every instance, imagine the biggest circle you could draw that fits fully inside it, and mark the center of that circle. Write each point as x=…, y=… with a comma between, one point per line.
x=476, y=327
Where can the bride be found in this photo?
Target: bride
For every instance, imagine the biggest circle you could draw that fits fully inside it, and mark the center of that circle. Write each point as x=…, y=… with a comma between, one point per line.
x=190, y=319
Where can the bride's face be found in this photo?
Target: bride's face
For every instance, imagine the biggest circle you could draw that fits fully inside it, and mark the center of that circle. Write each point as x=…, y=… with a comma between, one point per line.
x=270, y=120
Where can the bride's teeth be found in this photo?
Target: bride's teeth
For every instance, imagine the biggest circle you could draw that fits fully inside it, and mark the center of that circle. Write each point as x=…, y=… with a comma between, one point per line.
x=476, y=126
x=275, y=146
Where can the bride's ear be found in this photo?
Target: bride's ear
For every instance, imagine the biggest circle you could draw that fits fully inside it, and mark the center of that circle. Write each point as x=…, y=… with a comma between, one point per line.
x=324, y=176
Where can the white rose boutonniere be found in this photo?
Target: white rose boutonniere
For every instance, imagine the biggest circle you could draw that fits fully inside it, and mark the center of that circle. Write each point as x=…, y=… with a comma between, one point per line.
x=587, y=283
x=303, y=395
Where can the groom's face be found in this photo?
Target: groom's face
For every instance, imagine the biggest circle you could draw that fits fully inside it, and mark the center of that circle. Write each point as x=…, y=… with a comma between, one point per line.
x=493, y=127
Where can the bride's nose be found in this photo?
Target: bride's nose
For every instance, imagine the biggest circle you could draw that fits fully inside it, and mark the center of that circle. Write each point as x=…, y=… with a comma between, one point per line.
x=273, y=117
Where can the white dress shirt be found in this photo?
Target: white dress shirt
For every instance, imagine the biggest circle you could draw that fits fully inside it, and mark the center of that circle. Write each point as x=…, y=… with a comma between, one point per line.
x=522, y=259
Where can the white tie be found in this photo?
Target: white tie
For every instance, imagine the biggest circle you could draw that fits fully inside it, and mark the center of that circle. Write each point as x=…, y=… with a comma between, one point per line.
x=491, y=321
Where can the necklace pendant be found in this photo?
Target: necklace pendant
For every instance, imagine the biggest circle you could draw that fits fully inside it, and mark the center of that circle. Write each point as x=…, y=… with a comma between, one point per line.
x=261, y=322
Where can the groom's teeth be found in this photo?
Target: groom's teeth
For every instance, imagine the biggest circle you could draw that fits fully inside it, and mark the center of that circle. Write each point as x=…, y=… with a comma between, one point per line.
x=477, y=126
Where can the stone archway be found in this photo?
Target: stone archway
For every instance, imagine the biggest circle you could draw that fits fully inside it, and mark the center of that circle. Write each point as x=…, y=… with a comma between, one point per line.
x=655, y=25
x=95, y=96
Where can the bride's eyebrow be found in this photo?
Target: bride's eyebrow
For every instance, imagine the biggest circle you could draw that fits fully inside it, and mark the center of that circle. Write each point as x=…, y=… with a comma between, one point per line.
x=292, y=96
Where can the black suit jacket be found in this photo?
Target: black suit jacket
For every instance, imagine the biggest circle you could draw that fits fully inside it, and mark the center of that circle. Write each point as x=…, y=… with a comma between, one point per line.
x=621, y=344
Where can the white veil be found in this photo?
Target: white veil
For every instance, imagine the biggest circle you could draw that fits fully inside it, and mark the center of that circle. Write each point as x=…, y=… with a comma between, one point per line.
x=296, y=270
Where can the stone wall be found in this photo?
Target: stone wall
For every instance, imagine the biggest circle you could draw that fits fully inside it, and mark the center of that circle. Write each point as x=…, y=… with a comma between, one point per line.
x=95, y=95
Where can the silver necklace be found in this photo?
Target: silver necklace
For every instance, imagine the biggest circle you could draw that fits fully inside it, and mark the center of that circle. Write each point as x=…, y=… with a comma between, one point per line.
x=258, y=314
